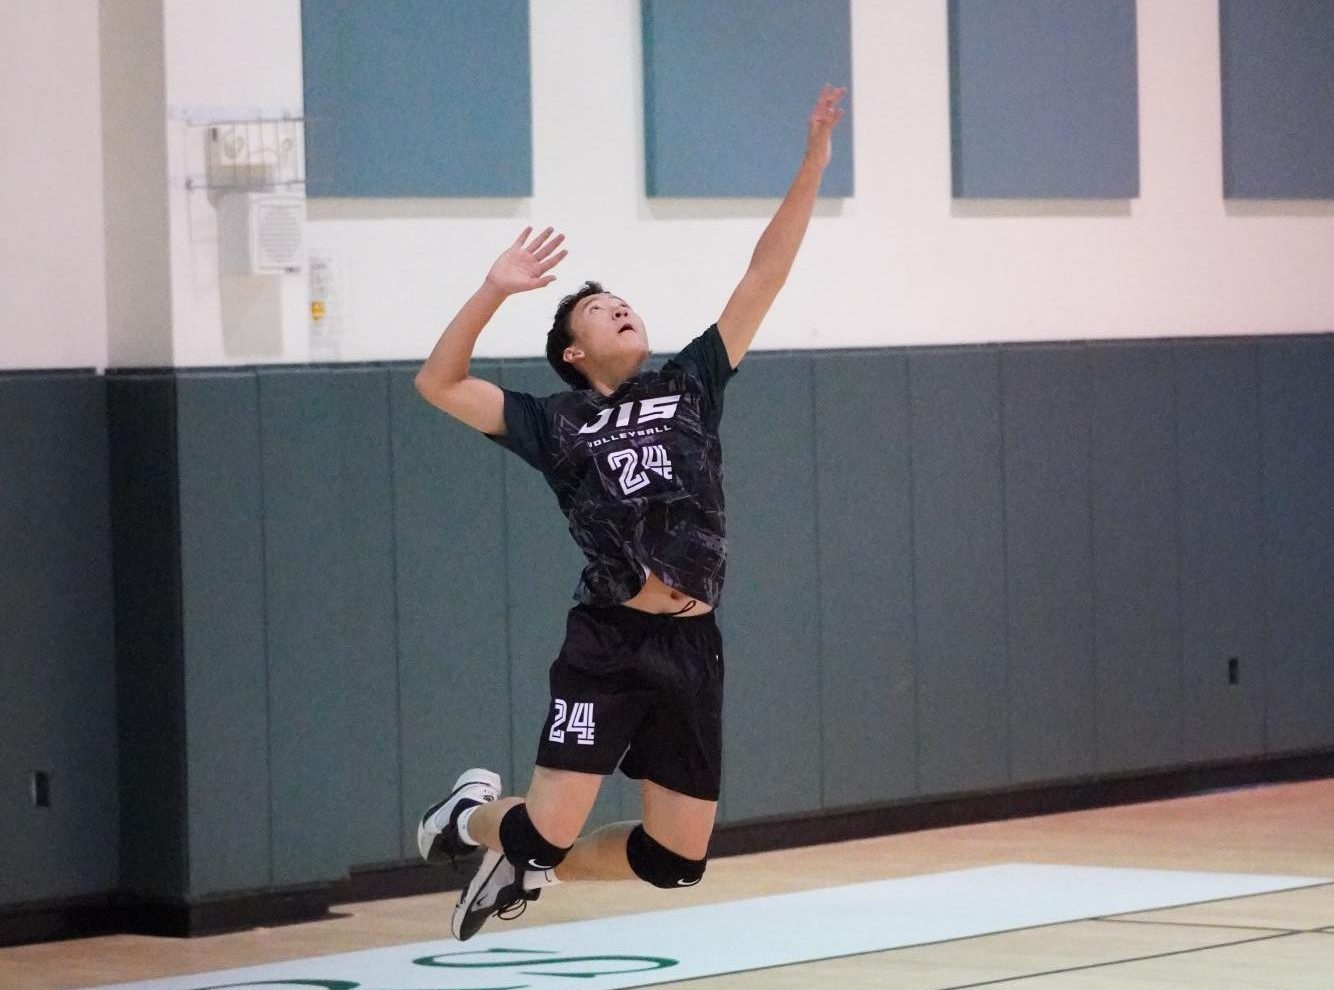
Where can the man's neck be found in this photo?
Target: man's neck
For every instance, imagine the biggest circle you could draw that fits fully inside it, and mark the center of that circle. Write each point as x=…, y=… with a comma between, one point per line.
x=606, y=386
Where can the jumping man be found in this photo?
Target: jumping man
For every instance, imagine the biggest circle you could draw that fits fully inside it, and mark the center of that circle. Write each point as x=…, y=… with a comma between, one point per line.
x=635, y=462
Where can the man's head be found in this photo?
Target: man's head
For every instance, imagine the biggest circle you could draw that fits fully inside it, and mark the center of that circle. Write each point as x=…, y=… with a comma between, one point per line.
x=596, y=335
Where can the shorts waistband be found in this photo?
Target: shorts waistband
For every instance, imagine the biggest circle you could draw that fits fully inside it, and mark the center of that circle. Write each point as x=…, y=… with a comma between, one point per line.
x=627, y=616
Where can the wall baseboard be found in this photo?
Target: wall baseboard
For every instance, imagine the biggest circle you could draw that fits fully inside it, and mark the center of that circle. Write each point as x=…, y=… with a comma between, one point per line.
x=125, y=913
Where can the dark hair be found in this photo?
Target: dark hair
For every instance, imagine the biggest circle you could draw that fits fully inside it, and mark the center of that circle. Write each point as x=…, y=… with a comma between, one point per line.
x=560, y=336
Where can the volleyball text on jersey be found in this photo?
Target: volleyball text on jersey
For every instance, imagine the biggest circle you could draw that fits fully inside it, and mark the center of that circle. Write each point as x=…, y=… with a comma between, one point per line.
x=662, y=407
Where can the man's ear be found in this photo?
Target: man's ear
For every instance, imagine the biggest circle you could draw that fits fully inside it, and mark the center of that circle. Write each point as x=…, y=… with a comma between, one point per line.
x=572, y=354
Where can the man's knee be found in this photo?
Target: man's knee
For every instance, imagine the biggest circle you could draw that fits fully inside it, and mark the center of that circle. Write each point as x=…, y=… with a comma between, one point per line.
x=524, y=845
x=654, y=863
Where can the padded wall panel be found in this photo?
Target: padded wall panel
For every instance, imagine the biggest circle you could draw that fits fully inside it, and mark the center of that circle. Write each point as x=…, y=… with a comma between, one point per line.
x=728, y=87
x=454, y=680
x=57, y=673
x=323, y=429
x=1044, y=99
x=1137, y=618
x=224, y=620
x=150, y=676
x=1048, y=562
x=864, y=522
x=417, y=98
x=1297, y=423
x=1278, y=98
x=368, y=619
x=1222, y=573
x=959, y=566
x=308, y=699
x=770, y=611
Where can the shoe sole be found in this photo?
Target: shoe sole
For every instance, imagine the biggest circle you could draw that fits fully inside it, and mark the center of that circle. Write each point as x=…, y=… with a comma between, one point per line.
x=466, y=923
x=468, y=778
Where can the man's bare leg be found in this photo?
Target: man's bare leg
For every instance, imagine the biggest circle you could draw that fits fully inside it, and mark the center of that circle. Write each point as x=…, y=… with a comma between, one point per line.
x=681, y=823
x=559, y=802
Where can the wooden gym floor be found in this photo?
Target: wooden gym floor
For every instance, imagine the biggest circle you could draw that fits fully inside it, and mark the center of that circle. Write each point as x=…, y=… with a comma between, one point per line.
x=1282, y=940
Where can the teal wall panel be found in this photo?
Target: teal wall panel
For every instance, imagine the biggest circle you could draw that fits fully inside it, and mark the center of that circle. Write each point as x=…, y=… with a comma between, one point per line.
x=424, y=79
x=224, y=619
x=757, y=66
x=1297, y=424
x=1277, y=67
x=864, y=520
x=770, y=610
x=57, y=676
x=958, y=531
x=1137, y=620
x=1044, y=99
x=1222, y=615
x=368, y=620
x=150, y=678
x=454, y=680
x=1048, y=562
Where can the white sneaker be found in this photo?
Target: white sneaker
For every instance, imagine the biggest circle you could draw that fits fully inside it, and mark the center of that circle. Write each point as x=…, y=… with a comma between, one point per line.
x=438, y=838
x=494, y=889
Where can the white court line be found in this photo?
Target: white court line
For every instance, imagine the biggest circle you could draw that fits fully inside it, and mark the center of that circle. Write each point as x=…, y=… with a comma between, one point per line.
x=665, y=946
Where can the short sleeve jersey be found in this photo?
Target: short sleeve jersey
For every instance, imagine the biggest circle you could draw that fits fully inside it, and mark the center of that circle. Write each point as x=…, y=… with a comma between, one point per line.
x=638, y=474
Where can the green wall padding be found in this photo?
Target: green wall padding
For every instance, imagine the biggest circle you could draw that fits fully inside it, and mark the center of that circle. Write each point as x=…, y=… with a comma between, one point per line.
x=864, y=492
x=57, y=676
x=1137, y=626
x=959, y=562
x=1222, y=545
x=1048, y=562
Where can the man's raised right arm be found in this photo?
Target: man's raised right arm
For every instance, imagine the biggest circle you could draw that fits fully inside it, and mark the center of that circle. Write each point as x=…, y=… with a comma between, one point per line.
x=443, y=379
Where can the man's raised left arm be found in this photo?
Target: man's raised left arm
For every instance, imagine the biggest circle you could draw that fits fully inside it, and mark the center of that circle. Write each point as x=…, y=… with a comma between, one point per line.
x=777, y=247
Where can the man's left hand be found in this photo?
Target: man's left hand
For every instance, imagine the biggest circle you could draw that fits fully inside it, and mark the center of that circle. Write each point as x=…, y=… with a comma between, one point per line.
x=823, y=119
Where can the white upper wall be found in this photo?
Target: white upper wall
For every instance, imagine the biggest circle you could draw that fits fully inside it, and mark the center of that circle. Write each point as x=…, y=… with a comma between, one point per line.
x=226, y=60
x=899, y=263
x=134, y=184
x=52, y=261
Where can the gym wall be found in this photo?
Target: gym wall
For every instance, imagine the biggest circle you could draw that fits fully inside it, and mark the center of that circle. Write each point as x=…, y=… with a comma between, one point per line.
x=1010, y=481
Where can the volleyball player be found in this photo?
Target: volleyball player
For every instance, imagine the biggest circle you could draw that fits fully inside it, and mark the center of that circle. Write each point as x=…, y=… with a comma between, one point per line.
x=635, y=462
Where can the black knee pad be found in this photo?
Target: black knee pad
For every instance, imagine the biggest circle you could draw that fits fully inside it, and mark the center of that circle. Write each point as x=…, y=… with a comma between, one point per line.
x=523, y=843
x=656, y=864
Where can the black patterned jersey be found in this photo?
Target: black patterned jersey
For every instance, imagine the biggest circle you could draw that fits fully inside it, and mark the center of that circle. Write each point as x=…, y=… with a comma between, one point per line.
x=638, y=474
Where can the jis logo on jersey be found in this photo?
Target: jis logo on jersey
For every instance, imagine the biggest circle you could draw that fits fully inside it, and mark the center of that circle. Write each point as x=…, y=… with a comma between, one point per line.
x=662, y=407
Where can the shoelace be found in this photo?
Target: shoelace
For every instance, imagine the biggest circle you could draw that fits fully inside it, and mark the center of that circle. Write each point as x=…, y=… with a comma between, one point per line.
x=521, y=903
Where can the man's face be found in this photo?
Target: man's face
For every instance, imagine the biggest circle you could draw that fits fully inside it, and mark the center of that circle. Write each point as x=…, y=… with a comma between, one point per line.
x=607, y=330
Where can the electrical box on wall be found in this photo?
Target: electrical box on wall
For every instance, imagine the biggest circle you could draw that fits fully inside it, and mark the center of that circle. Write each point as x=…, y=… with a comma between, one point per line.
x=245, y=154
x=261, y=233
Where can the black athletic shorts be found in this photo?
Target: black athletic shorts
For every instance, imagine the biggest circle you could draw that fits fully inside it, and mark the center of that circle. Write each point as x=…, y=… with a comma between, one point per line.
x=641, y=690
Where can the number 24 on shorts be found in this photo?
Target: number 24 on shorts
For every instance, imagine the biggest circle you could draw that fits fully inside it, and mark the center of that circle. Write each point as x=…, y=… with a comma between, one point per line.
x=580, y=725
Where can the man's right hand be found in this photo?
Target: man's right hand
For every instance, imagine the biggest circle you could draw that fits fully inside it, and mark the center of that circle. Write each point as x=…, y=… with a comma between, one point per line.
x=524, y=266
